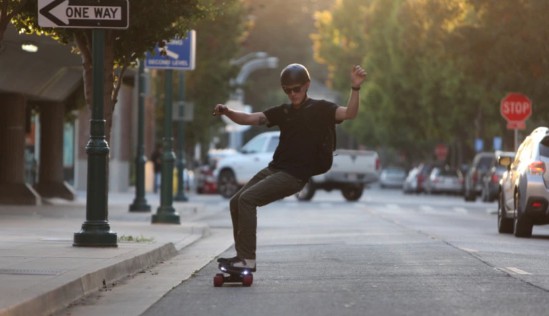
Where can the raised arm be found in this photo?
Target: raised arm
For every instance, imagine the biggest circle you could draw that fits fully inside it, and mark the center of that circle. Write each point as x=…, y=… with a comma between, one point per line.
x=242, y=118
x=358, y=75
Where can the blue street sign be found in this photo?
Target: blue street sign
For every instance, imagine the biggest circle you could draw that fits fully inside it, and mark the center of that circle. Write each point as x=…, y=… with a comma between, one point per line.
x=497, y=142
x=179, y=54
x=479, y=144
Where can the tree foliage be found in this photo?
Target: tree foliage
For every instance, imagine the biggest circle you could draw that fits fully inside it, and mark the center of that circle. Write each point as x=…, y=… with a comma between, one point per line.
x=149, y=24
x=437, y=69
x=282, y=29
x=8, y=10
x=218, y=41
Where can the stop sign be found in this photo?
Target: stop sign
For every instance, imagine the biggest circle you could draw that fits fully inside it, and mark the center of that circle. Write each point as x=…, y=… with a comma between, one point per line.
x=515, y=107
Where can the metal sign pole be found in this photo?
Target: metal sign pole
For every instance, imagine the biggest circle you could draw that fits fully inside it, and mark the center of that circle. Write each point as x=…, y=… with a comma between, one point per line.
x=166, y=212
x=96, y=230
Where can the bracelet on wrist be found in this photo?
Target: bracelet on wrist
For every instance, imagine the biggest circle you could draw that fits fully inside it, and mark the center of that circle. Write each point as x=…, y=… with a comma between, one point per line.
x=355, y=88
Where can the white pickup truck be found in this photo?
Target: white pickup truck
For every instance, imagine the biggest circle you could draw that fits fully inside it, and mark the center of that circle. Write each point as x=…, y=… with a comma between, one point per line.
x=350, y=172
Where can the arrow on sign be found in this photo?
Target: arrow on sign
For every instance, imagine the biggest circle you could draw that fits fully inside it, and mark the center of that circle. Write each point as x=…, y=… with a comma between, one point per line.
x=51, y=11
x=83, y=13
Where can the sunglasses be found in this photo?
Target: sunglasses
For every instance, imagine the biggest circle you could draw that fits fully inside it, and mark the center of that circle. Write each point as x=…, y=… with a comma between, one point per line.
x=288, y=90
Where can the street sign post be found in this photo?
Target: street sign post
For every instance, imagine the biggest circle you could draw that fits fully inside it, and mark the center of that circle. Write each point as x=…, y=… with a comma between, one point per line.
x=177, y=54
x=111, y=14
x=516, y=108
x=96, y=15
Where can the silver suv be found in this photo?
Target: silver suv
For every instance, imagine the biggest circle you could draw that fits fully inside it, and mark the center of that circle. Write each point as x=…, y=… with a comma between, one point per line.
x=524, y=195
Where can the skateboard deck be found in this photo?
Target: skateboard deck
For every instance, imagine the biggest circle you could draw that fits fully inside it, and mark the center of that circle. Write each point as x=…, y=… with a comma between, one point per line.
x=229, y=275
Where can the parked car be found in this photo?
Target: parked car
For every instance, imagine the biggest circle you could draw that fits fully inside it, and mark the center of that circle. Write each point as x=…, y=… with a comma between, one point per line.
x=444, y=180
x=414, y=182
x=524, y=191
x=233, y=171
x=392, y=177
x=206, y=183
x=351, y=170
x=490, y=181
x=473, y=179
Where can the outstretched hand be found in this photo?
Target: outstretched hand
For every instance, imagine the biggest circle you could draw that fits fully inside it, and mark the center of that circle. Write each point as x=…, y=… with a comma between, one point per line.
x=219, y=109
x=358, y=75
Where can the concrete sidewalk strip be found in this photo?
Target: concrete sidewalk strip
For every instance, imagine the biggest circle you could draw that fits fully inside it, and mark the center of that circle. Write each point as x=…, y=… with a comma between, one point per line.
x=134, y=295
x=63, y=289
x=41, y=272
x=45, y=284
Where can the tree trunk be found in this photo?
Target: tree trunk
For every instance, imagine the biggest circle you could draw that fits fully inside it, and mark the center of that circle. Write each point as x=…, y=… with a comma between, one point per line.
x=111, y=81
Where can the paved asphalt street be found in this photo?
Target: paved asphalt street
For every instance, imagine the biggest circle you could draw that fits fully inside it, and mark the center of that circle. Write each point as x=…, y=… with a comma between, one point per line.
x=388, y=254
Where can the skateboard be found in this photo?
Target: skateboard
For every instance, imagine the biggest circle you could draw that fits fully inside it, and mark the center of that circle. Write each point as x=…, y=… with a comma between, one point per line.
x=243, y=276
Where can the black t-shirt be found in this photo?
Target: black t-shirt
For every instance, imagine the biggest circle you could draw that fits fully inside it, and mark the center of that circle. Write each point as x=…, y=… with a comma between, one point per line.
x=299, y=131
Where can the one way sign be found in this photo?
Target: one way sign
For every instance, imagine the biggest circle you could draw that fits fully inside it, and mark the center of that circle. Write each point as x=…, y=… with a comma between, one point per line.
x=112, y=14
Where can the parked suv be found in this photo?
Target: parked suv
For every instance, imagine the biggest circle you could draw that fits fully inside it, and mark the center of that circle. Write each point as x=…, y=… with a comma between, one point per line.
x=490, y=181
x=524, y=194
x=473, y=179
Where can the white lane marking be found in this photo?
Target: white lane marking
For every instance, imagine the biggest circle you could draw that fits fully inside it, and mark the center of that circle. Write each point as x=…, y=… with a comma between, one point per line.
x=461, y=210
x=427, y=209
x=516, y=271
x=491, y=211
x=468, y=249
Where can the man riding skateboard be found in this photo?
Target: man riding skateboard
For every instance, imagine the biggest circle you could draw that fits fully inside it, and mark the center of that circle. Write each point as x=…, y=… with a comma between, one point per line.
x=292, y=162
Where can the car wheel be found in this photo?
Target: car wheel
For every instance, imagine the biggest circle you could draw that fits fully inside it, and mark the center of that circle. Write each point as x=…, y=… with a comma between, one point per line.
x=226, y=184
x=352, y=192
x=522, y=225
x=505, y=225
x=469, y=196
x=307, y=193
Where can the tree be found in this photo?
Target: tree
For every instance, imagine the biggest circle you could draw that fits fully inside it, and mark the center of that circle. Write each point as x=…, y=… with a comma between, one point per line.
x=506, y=47
x=438, y=69
x=149, y=25
x=282, y=29
x=8, y=10
x=219, y=40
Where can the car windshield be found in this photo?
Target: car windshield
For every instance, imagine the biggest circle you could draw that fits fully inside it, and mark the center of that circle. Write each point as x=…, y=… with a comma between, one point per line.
x=544, y=147
x=485, y=163
x=394, y=171
x=273, y=144
x=449, y=173
x=255, y=145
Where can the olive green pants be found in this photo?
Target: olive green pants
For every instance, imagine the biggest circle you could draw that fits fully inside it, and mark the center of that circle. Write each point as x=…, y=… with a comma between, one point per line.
x=267, y=186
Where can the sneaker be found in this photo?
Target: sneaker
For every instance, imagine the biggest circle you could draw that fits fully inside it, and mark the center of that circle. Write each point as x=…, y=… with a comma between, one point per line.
x=226, y=260
x=238, y=264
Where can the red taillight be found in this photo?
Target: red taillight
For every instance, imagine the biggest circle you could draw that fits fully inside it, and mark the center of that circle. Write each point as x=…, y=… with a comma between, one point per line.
x=536, y=204
x=474, y=177
x=495, y=178
x=378, y=164
x=536, y=168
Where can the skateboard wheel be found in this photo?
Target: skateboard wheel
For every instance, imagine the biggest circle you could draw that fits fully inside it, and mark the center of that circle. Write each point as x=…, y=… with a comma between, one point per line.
x=247, y=280
x=218, y=280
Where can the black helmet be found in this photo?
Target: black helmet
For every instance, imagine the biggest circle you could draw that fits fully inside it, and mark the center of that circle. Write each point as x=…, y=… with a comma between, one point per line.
x=294, y=74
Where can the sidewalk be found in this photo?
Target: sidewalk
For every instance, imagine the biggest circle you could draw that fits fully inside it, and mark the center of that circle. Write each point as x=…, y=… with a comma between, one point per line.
x=40, y=270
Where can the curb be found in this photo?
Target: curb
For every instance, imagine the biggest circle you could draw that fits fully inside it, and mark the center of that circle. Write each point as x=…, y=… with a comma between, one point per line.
x=59, y=298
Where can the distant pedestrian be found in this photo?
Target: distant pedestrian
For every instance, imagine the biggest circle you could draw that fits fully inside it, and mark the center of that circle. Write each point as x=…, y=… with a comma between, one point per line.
x=156, y=158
